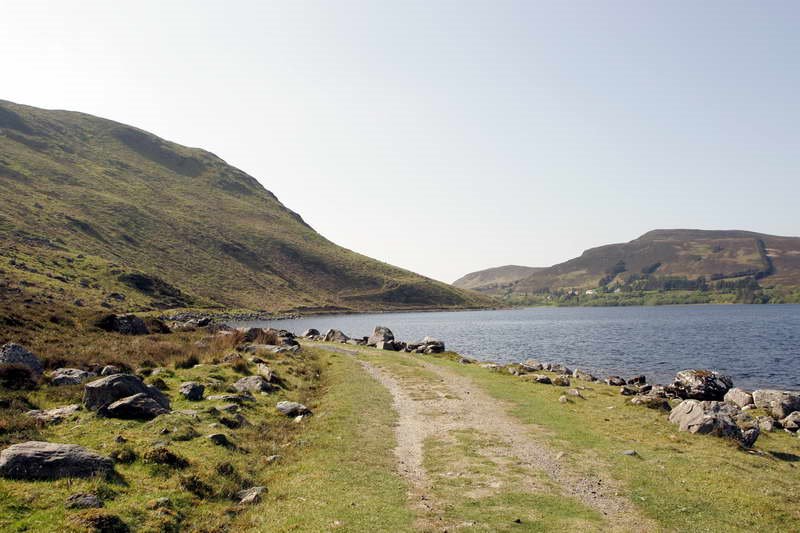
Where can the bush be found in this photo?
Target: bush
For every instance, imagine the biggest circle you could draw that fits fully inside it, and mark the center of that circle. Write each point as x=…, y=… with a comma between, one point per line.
x=163, y=456
x=100, y=521
x=187, y=362
x=17, y=377
x=196, y=486
x=123, y=455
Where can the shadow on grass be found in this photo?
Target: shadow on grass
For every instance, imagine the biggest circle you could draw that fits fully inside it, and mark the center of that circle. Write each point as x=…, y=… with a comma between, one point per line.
x=784, y=456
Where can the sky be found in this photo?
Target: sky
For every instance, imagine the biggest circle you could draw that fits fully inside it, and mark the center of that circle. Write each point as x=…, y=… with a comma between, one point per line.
x=450, y=136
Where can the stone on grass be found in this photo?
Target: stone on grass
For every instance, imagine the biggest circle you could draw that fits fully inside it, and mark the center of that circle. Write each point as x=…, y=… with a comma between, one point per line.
x=220, y=439
x=582, y=375
x=125, y=324
x=791, y=422
x=292, y=409
x=83, y=500
x=738, y=397
x=541, y=378
x=380, y=334
x=192, y=391
x=253, y=384
x=56, y=415
x=711, y=418
x=615, y=381
x=69, y=376
x=139, y=406
x=651, y=402
x=310, y=332
x=14, y=354
x=110, y=370
x=386, y=345
x=48, y=460
x=561, y=381
x=107, y=390
x=702, y=385
x=627, y=390
x=335, y=335
x=250, y=496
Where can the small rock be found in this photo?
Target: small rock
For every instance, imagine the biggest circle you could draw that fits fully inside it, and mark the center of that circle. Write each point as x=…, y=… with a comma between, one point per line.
x=615, y=381
x=110, y=370
x=250, y=496
x=220, y=439
x=739, y=397
x=54, y=416
x=626, y=390
x=541, y=378
x=792, y=422
x=629, y=452
x=563, y=399
x=192, y=391
x=292, y=409
x=576, y=393
x=561, y=381
x=83, y=500
x=253, y=384
x=68, y=376
x=137, y=407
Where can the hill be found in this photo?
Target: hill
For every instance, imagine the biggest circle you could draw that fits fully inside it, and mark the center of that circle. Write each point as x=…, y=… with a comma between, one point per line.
x=494, y=280
x=746, y=265
x=101, y=213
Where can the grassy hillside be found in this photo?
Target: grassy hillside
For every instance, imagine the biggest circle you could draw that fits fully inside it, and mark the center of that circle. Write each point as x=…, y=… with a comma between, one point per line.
x=493, y=280
x=105, y=213
x=672, y=266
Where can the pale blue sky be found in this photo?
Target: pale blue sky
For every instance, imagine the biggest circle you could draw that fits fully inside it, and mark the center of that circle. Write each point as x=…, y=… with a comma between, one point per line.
x=446, y=137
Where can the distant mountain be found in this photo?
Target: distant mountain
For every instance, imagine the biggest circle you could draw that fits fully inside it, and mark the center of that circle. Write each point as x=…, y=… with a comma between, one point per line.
x=736, y=262
x=494, y=280
x=108, y=214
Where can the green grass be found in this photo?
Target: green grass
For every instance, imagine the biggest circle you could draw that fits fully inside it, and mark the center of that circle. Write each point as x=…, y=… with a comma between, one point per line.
x=680, y=480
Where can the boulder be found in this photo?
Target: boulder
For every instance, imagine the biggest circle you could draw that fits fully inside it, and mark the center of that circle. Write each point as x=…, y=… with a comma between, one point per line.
x=637, y=380
x=334, y=335
x=311, y=332
x=711, y=418
x=239, y=399
x=107, y=390
x=430, y=345
x=785, y=405
x=83, y=500
x=139, y=406
x=48, y=460
x=220, y=439
x=253, y=384
x=702, y=385
x=54, y=416
x=110, y=370
x=250, y=496
x=766, y=423
x=792, y=422
x=561, y=381
x=264, y=371
x=380, y=334
x=192, y=391
x=14, y=354
x=531, y=365
x=558, y=368
x=125, y=324
x=69, y=376
x=738, y=397
x=615, y=381
x=292, y=408
x=582, y=375
x=627, y=390
x=386, y=345
x=651, y=402
x=541, y=378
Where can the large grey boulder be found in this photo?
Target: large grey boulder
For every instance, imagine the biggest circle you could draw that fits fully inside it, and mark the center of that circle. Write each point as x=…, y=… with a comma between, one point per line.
x=12, y=353
x=107, y=390
x=253, y=384
x=386, y=345
x=702, y=385
x=292, y=408
x=139, y=406
x=380, y=334
x=779, y=404
x=712, y=418
x=335, y=335
x=69, y=376
x=738, y=397
x=48, y=460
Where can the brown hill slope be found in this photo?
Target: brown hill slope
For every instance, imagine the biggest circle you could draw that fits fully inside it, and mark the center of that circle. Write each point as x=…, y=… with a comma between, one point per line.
x=494, y=280
x=108, y=213
x=715, y=255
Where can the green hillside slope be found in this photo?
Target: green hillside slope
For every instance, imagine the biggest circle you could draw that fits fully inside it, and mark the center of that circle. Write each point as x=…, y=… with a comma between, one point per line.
x=494, y=280
x=110, y=214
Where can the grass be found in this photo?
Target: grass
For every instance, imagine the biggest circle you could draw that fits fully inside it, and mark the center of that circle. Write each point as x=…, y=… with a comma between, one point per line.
x=680, y=480
x=345, y=448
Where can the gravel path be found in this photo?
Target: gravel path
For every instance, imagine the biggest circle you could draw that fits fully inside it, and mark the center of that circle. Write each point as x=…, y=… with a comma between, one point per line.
x=454, y=403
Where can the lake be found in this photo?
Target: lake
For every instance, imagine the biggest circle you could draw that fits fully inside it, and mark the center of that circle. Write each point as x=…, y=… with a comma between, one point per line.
x=757, y=345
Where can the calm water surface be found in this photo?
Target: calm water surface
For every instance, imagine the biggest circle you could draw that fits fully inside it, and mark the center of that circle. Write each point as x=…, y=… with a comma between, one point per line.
x=758, y=345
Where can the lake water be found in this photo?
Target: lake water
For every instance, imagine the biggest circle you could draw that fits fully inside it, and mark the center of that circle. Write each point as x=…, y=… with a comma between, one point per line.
x=757, y=345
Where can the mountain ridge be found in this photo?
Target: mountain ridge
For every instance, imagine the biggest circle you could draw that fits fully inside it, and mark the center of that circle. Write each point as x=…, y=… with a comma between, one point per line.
x=131, y=203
